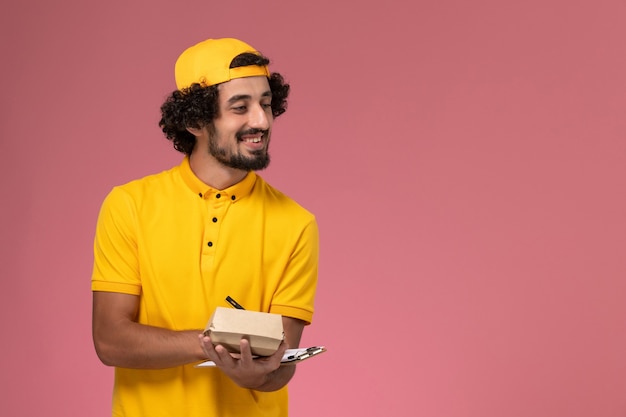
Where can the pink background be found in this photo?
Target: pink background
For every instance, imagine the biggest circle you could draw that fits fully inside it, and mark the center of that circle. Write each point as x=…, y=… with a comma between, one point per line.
x=466, y=161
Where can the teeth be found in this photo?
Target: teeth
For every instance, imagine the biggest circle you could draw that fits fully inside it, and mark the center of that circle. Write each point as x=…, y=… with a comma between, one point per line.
x=253, y=140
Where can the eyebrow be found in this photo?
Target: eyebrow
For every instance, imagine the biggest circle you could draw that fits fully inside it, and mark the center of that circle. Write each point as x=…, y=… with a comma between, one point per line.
x=238, y=97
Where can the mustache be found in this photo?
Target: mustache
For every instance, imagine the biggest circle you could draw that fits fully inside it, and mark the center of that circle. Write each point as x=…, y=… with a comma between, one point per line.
x=251, y=132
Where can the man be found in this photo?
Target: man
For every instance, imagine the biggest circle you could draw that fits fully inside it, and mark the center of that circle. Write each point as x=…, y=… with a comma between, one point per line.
x=171, y=247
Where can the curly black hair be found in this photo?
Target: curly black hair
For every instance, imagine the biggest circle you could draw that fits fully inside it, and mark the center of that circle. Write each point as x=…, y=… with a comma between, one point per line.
x=197, y=105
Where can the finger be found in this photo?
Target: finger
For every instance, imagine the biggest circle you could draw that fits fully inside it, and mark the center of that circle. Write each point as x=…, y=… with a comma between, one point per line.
x=214, y=352
x=282, y=348
x=207, y=346
x=274, y=360
x=224, y=356
x=246, y=352
x=280, y=352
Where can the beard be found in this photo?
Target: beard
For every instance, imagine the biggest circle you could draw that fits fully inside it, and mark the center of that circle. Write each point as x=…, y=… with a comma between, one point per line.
x=257, y=161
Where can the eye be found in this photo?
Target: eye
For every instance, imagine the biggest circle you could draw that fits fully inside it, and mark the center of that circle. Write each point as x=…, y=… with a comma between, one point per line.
x=239, y=109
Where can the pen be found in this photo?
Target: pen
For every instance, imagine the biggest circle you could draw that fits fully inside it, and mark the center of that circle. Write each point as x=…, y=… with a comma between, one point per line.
x=234, y=303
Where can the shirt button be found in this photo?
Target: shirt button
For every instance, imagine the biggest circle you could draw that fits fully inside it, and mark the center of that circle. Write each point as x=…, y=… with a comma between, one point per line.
x=214, y=219
x=232, y=198
x=200, y=194
x=210, y=244
x=218, y=195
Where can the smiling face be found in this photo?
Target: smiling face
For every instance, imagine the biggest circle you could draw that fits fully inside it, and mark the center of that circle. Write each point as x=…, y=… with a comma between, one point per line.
x=239, y=136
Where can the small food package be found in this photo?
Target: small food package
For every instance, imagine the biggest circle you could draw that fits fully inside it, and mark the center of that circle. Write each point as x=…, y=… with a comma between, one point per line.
x=264, y=331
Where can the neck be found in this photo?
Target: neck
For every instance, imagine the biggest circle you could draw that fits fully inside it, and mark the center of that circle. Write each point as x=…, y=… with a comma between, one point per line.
x=213, y=173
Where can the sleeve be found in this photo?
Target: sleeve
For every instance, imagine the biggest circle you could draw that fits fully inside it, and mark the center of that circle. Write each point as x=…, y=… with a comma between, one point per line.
x=295, y=295
x=116, y=265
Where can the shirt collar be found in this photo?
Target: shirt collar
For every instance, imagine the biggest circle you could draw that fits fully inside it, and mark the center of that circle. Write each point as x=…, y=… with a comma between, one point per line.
x=233, y=193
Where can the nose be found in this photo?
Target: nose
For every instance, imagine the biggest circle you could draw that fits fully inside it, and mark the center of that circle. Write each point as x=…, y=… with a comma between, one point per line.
x=260, y=117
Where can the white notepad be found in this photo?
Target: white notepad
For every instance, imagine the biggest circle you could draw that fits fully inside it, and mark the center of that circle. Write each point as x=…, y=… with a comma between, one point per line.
x=291, y=356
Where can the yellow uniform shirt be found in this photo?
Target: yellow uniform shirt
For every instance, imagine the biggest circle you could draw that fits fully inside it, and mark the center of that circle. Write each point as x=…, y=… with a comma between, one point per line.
x=183, y=247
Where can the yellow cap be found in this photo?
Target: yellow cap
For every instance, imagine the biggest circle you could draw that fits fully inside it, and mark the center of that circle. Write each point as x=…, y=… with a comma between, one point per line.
x=208, y=62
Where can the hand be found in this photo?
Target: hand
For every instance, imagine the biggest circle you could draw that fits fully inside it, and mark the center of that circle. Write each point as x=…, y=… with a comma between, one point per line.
x=243, y=369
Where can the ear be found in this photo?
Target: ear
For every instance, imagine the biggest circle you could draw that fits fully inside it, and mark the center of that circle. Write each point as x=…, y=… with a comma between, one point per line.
x=195, y=131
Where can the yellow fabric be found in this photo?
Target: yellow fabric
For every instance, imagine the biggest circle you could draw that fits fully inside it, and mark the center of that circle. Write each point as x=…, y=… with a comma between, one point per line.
x=208, y=63
x=152, y=240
